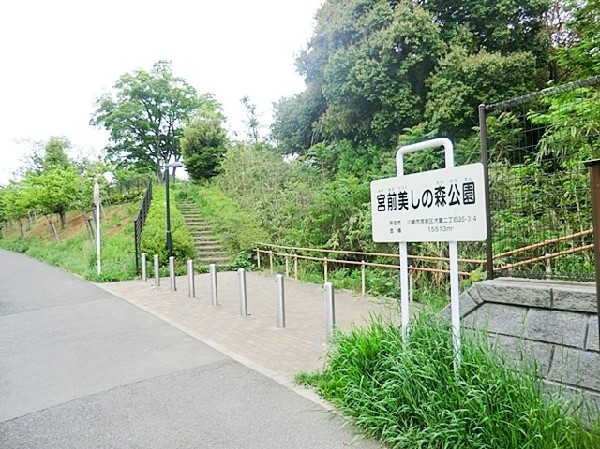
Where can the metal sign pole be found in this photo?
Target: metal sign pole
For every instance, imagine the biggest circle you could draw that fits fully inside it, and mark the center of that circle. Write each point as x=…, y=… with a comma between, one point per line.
x=453, y=250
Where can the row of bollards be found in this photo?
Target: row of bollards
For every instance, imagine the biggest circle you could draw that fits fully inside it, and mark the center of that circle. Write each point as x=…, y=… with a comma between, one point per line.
x=328, y=291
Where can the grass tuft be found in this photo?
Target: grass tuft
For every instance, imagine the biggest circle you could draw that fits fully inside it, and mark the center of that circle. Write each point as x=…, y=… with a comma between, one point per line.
x=410, y=397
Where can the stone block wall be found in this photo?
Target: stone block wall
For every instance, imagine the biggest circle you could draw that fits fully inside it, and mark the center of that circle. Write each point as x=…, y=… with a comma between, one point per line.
x=553, y=322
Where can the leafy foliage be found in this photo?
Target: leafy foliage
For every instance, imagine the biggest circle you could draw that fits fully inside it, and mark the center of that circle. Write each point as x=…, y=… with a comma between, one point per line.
x=154, y=237
x=203, y=145
x=146, y=113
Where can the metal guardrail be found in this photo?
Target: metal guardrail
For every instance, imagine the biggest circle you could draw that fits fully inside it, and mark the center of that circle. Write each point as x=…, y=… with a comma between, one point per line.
x=139, y=223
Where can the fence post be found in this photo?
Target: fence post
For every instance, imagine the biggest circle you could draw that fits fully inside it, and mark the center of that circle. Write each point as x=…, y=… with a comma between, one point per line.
x=271, y=261
x=214, y=300
x=363, y=278
x=191, y=281
x=483, y=137
x=287, y=267
x=172, y=273
x=295, y=266
x=324, y=269
x=548, y=266
x=144, y=275
x=329, y=296
x=594, y=167
x=280, y=301
x=156, y=271
x=258, y=258
x=243, y=292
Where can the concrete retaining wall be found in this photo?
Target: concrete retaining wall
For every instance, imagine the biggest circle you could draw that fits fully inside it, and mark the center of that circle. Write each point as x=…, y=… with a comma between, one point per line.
x=554, y=322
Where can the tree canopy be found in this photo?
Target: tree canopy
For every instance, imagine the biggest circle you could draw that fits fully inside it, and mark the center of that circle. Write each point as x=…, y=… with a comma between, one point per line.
x=146, y=113
x=375, y=68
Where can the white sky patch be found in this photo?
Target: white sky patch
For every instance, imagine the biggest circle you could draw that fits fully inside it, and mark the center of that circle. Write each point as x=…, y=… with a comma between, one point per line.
x=58, y=56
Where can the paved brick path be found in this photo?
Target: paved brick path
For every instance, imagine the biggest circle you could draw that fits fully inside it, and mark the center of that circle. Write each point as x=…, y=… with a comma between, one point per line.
x=255, y=339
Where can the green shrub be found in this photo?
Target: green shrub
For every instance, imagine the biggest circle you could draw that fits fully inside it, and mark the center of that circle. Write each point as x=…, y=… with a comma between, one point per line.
x=235, y=228
x=411, y=397
x=154, y=238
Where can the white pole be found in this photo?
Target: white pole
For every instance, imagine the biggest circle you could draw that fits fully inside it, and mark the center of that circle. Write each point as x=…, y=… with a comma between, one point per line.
x=214, y=300
x=172, y=273
x=144, y=275
x=243, y=292
x=280, y=301
x=98, y=262
x=191, y=283
x=329, y=296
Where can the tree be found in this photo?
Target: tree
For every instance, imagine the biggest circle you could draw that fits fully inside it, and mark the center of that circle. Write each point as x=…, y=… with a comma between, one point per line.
x=365, y=70
x=55, y=191
x=203, y=145
x=503, y=26
x=462, y=82
x=582, y=58
x=252, y=123
x=146, y=113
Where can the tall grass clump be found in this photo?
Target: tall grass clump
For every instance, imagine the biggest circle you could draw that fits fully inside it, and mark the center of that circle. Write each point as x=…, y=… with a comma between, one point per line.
x=410, y=396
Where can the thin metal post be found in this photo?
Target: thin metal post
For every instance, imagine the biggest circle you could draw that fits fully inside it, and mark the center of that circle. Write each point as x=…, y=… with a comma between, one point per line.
x=258, y=258
x=296, y=266
x=191, y=280
x=243, y=292
x=363, y=279
x=329, y=296
x=287, y=267
x=411, y=284
x=280, y=301
x=144, y=274
x=172, y=273
x=213, y=284
x=324, y=269
x=271, y=261
x=168, y=204
x=483, y=137
x=594, y=167
x=156, y=271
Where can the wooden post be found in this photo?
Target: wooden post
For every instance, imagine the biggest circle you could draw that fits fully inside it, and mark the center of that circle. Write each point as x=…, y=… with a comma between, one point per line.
x=295, y=266
x=594, y=167
x=363, y=278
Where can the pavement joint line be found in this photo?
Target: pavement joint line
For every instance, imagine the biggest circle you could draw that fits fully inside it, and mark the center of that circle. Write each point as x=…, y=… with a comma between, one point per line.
x=281, y=380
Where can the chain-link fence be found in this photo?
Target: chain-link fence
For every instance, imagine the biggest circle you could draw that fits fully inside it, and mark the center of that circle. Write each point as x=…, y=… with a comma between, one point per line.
x=539, y=188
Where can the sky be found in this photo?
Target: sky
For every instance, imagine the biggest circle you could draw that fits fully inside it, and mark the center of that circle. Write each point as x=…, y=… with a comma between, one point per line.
x=58, y=56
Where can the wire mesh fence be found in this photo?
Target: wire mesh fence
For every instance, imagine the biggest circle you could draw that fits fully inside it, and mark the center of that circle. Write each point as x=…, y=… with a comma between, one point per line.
x=539, y=188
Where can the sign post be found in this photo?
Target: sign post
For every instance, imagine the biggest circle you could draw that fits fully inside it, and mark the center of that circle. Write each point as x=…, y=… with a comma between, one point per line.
x=437, y=205
x=97, y=203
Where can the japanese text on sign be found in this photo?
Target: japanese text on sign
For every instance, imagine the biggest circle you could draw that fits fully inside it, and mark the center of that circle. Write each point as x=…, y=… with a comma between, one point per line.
x=438, y=205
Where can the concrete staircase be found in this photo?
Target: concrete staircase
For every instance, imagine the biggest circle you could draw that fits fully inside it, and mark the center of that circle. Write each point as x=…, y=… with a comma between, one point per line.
x=208, y=249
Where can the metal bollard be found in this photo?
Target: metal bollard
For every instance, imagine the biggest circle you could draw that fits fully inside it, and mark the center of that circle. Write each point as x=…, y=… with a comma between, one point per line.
x=243, y=292
x=144, y=275
x=280, y=301
x=191, y=281
x=172, y=273
x=156, y=271
x=324, y=269
x=329, y=296
x=213, y=284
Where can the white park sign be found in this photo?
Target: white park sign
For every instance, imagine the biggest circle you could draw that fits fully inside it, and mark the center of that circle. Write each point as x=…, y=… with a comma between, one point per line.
x=438, y=205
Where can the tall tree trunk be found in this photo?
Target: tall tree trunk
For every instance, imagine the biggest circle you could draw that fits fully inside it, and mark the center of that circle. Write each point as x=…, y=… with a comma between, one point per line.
x=52, y=228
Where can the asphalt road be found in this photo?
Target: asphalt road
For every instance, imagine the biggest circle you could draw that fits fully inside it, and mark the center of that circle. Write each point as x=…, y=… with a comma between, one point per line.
x=80, y=368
